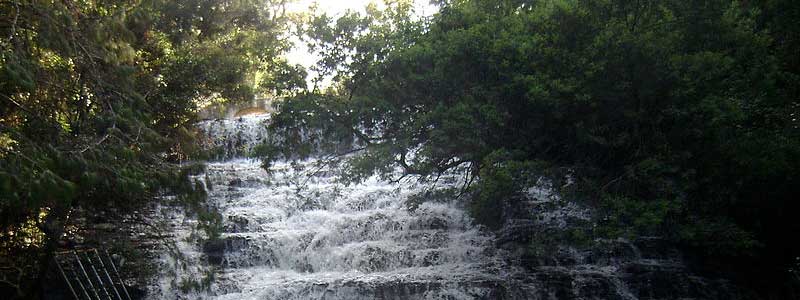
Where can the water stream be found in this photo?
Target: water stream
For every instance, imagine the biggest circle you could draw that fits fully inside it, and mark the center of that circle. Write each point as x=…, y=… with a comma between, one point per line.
x=297, y=232
x=292, y=234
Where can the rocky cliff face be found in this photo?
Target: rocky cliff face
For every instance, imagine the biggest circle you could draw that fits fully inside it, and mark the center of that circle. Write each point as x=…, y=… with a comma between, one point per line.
x=543, y=233
x=297, y=232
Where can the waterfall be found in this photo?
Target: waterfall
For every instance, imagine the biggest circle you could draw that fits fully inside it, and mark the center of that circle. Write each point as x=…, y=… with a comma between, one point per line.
x=296, y=231
x=291, y=234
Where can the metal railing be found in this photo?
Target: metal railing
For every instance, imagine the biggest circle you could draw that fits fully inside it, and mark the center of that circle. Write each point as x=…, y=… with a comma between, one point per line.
x=91, y=275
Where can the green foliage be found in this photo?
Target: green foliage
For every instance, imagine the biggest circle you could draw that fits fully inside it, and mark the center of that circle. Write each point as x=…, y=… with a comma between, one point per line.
x=353, y=43
x=97, y=100
x=501, y=180
x=627, y=217
x=545, y=244
x=285, y=79
x=720, y=237
x=680, y=116
x=187, y=285
x=191, y=195
x=433, y=195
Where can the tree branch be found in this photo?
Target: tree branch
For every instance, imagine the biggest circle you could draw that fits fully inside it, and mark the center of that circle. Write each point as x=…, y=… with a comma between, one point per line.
x=14, y=23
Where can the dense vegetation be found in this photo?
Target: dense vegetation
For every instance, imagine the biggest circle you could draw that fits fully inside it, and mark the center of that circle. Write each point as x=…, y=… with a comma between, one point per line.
x=97, y=100
x=674, y=118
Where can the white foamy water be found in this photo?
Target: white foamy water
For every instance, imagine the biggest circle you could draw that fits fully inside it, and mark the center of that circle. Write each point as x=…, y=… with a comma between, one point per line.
x=291, y=234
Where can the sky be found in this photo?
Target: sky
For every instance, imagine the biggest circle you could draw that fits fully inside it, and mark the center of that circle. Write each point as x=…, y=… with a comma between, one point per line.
x=340, y=6
x=299, y=53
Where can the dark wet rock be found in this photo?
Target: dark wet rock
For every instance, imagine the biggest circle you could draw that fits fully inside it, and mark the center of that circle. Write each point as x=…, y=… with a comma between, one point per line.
x=243, y=252
x=236, y=224
x=136, y=292
x=517, y=232
x=649, y=279
x=438, y=239
x=375, y=259
x=657, y=281
x=567, y=256
x=598, y=286
x=656, y=248
x=305, y=241
x=311, y=204
x=415, y=290
x=236, y=243
x=562, y=268
x=214, y=250
x=435, y=222
x=611, y=252
x=555, y=283
x=431, y=258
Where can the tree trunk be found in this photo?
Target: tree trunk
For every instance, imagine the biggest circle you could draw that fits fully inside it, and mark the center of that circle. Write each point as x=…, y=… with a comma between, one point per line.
x=53, y=228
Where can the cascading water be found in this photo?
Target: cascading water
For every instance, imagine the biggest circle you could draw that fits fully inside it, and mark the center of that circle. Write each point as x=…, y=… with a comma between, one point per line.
x=296, y=232
x=289, y=234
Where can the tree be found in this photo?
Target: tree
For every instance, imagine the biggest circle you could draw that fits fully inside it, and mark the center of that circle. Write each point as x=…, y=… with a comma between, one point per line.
x=98, y=99
x=686, y=105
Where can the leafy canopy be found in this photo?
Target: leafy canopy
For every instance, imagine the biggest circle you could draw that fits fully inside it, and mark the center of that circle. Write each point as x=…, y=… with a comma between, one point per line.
x=98, y=98
x=678, y=117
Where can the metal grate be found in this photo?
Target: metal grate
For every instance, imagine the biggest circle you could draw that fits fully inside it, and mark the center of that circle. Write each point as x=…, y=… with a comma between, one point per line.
x=91, y=275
